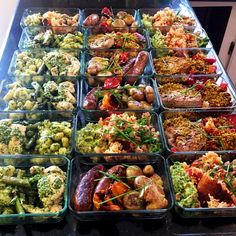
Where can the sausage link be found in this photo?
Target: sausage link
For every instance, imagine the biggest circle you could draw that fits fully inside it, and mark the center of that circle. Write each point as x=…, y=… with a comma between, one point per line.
x=84, y=191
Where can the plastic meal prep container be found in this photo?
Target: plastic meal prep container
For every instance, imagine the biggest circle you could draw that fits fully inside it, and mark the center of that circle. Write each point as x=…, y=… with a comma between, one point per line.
x=192, y=115
x=94, y=80
x=41, y=69
x=133, y=12
x=34, y=10
x=29, y=33
x=26, y=83
x=179, y=52
x=78, y=170
x=85, y=89
x=25, y=162
x=90, y=33
x=180, y=11
x=30, y=119
x=198, y=31
x=81, y=122
x=219, y=80
x=203, y=212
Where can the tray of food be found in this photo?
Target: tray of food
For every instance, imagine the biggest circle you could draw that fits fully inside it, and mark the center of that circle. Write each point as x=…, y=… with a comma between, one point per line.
x=33, y=191
x=164, y=18
x=46, y=62
x=185, y=61
x=114, y=136
x=36, y=133
x=203, y=184
x=57, y=94
x=117, y=40
x=179, y=37
x=196, y=92
x=107, y=20
x=59, y=20
x=46, y=38
x=128, y=66
x=188, y=131
x=114, y=96
x=105, y=191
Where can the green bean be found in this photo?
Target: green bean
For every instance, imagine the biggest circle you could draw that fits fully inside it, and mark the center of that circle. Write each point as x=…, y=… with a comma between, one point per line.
x=14, y=181
x=19, y=207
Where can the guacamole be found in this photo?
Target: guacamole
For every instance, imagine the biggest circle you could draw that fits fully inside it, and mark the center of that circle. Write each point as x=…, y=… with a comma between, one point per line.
x=185, y=192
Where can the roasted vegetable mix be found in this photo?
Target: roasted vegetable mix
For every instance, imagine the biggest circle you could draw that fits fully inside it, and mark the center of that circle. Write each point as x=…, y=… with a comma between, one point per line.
x=119, y=133
x=121, y=187
x=113, y=96
x=45, y=137
x=106, y=21
x=49, y=96
x=206, y=182
x=34, y=190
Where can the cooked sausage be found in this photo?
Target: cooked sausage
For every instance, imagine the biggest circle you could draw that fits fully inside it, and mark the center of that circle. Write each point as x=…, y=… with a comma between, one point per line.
x=139, y=64
x=84, y=191
x=91, y=20
x=128, y=66
x=90, y=100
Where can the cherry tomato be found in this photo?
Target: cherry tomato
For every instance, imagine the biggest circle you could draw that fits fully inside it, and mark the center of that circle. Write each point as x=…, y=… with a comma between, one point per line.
x=111, y=83
x=223, y=86
x=105, y=27
x=106, y=11
x=124, y=57
x=198, y=86
x=173, y=149
x=210, y=60
x=191, y=81
x=212, y=69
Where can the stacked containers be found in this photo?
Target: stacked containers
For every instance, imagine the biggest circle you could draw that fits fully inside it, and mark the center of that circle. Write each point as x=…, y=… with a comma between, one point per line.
x=106, y=82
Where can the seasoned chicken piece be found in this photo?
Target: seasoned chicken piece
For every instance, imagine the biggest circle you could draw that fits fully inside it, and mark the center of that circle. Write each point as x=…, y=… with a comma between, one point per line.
x=97, y=64
x=101, y=41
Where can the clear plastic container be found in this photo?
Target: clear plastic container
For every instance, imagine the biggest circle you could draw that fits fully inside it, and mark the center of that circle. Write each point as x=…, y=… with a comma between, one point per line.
x=95, y=80
x=141, y=44
x=178, y=11
x=25, y=162
x=113, y=156
x=193, y=116
x=6, y=95
x=39, y=66
x=34, y=10
x=213, y=67
x=31, y=40
x=199, y=33
x=99, y=29
x=85, y=89
x=78, y=170
x=27, y=123
x=220, y=81
x=203, y=212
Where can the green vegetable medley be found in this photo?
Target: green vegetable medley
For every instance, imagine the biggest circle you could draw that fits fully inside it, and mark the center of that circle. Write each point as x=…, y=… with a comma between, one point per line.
x=34, y=190
x=46, y=137
x=51, y=40
x=49, y=96
x=55, y=63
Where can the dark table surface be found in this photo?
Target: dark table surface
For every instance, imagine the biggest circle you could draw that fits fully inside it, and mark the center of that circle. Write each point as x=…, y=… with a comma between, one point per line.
x=170, y=225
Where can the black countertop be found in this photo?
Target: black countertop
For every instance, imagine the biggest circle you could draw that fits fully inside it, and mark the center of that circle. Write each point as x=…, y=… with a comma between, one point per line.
x=172, y=224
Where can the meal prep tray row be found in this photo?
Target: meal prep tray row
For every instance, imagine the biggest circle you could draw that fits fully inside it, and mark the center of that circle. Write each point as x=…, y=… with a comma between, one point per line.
x=133, y=117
